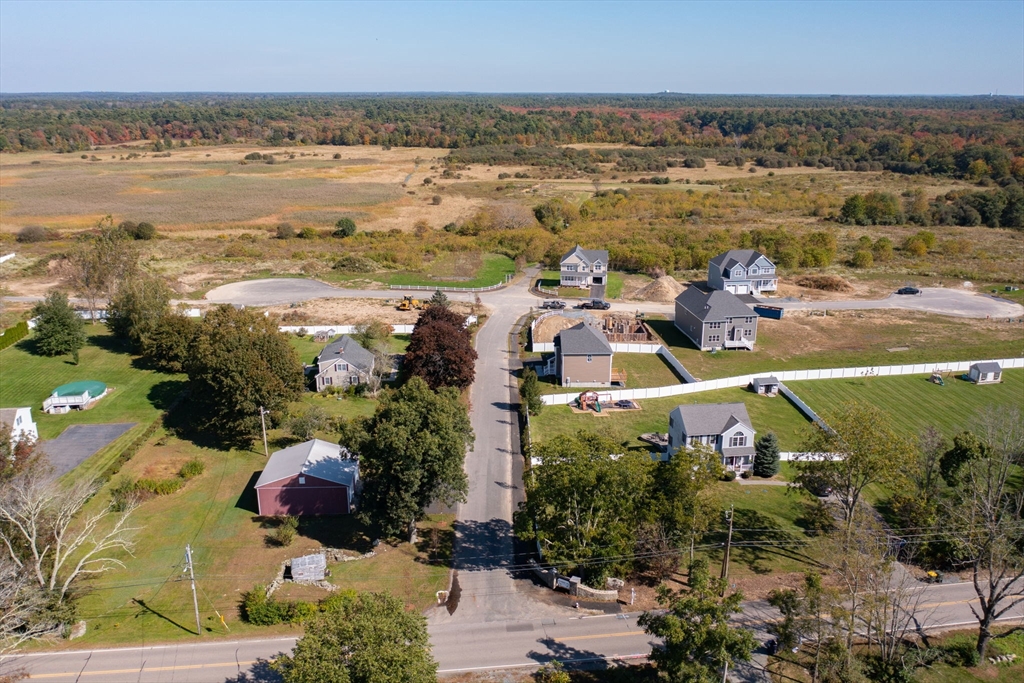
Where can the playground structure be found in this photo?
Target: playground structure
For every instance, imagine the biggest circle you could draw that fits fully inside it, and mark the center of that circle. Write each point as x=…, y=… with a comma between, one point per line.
x=599, y=403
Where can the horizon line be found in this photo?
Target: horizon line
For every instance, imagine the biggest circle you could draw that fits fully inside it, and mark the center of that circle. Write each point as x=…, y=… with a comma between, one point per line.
x=385, y=93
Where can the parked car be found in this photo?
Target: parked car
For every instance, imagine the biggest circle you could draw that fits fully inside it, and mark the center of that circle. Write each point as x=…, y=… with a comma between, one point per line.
x=552, y=303
x=908, y=290
x=596, y=304
x=818, y=488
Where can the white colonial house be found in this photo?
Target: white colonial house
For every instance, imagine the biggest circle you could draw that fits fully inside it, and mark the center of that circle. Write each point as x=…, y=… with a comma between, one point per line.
x=584, y=267
x=20, y=422
x=742, y=271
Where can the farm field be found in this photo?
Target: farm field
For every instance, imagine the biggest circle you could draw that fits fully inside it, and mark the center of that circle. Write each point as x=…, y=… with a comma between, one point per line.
x=137, y=393
x=216, y=512
x=851, y=339
x=774, y=414
x=913, y=402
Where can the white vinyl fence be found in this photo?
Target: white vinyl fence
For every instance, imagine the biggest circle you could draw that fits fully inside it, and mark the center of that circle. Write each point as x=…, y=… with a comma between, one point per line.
x=788, y=376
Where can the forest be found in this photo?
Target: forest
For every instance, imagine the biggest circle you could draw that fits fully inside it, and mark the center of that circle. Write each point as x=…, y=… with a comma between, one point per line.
x=962, y=137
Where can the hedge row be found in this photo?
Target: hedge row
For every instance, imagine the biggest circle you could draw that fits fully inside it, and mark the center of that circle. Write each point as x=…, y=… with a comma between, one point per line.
x=131, y=449
x=12, y=335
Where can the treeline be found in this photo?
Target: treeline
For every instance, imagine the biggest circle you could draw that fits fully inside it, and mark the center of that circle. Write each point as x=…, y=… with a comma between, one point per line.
x=946, y=137
x=996, y=208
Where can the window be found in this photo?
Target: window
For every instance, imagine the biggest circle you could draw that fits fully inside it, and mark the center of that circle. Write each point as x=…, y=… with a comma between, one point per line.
x=694, y=440
x=328, y=380
x=570, y=268
x=753, y=270
x=590, y=358
x=341, y=367
x=597, y=267
x=738, y=439
x=714, y=338
x=714, y=326
x=302, y=480
x=750, y=332
x=671, y=422
x=17, y=423
x=569, y=278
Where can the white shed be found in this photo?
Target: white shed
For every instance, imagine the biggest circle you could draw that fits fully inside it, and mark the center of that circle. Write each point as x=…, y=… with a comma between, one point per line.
x=988, y=372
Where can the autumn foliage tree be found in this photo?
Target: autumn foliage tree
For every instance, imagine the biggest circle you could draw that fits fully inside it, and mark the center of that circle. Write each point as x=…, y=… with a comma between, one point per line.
x=440, y=350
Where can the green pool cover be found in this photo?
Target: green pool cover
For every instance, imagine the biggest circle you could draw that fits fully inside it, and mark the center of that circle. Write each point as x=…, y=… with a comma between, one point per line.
x=78, y=388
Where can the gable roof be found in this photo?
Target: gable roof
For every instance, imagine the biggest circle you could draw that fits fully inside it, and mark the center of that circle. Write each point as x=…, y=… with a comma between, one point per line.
x=588, y=255
x=348, y=350
x=583, y=339
x=745, y=257
x=711, y=418
x=988, y=366
x=8, y=416
x=765, y=381
x=314, y=457
x=716, y=304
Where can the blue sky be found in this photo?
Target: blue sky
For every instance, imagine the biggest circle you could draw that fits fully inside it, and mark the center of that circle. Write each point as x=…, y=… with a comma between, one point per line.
x=697, y=47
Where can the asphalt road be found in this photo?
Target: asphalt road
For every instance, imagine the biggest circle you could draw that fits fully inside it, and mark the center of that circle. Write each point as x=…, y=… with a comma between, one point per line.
x=469, y=645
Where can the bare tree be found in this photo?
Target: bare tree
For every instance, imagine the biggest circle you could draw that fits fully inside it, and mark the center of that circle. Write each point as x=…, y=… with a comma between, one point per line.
x=44, y=539
x=985, y=523
x=383, y=366
x=101, y=264
x=21, y=603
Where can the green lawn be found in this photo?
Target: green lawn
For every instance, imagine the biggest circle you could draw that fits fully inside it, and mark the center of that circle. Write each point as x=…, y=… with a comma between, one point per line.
x=550, y=279
x=913, y=402
x=137, y=394
x=308, y=349
x=774, y=414
x=642, y=370
x=865, y=343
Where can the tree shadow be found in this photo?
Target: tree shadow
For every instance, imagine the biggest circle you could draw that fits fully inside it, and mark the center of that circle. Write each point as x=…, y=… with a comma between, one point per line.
x=260, y=672
x=503, y=405
x=337, y=531
x=146, y=608
x=481, y=546
x=162, y=394
x=756, y=540
x=570, y=657
x=110, y=343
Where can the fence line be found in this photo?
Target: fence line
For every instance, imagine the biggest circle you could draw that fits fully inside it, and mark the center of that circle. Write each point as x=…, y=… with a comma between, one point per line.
x=349, y=329
x=801, y=406
x=790, y=376
x=434, y=288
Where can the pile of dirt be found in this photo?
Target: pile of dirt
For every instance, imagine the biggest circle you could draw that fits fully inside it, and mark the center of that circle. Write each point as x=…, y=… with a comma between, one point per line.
x=665, y=289
x=826, y=283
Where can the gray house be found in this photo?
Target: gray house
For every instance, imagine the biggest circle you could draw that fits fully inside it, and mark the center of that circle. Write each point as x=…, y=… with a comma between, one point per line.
x=342, y=363
x=584, y=267
x=715, y=319
x=724, y=427
x=583, y=357
x=988, y=372
x=742, y=271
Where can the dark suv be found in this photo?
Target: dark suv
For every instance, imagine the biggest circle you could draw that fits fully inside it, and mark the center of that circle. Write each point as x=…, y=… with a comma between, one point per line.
x=908, y=290
x=596, y=304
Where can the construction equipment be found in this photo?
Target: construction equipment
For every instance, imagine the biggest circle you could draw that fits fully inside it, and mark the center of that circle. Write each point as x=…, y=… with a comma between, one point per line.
x=409, y=304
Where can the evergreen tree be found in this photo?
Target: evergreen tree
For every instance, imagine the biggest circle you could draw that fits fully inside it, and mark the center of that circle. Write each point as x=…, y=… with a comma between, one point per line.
x=439, y=298
x=59, y=328
x=766, y=455
x=529, y=393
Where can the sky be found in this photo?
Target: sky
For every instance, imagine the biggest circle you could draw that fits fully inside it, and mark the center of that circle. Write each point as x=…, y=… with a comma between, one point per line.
x=809, y=47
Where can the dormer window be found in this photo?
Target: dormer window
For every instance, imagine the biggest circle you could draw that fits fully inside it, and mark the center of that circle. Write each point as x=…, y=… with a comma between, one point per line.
x=753, y=270
x=737, y=440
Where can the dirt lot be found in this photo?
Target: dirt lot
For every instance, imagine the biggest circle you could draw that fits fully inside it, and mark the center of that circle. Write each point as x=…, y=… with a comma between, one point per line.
x=350, y=312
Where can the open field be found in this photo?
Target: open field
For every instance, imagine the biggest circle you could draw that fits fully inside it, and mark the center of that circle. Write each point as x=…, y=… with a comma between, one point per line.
x=913, y=402
x=851, y=339
x=774, y=414
x=137, y=394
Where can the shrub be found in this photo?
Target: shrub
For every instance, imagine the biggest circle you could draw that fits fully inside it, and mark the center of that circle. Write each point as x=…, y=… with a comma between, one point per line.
x=253, y=156
x=427, y=181
x=301, y=610
x=308, y=233
x=353, y=263
x=345, y=227
x=14, y=334
x=260, y=610
x=282, y=536
x=33, y=233
x=694, y=162
x=863, y=259
x=729, y=476
x=192, y=469
x=337, y=155
x=144, y=231
x=915, y=247
x=504, y=176
x=436, y=200
x=285, y=231
x=160, y=487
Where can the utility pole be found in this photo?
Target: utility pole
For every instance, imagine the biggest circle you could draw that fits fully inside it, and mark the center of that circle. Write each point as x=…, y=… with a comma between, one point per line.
x=263, y=422
x=728, y=547
x=192, y=578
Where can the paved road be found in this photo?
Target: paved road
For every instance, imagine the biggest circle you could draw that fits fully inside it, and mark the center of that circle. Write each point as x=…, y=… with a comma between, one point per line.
x=78, y=442
x=469, y=645
x=954, y=302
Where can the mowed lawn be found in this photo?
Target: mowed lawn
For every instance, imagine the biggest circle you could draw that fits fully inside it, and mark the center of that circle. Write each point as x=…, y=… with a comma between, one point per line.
x=849, y=341
x=767, y=414
x=551, y=279
x=308, y=349
x=148, y=601
x=913, y=403
x=137, y=393
x=643, y=370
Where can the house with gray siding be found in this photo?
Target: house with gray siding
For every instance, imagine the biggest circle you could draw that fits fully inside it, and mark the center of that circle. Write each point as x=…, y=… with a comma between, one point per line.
x=584, y=267
x=342, y=363
x=722, y=427
x=986, y=372
x=742, y=271
x=583, y=357
x=715, y=319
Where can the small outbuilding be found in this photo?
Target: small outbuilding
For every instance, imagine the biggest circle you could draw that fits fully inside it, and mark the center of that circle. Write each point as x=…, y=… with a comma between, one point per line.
x=988, y=372
x=766, y=386
x=311, y=478
x=78, y=395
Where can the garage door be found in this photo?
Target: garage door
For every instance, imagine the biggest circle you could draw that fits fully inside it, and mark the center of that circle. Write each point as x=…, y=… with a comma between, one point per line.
x=736, y=289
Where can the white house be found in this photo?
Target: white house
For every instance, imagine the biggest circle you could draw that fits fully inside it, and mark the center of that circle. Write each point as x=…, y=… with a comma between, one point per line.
x=584, y=267
x=742, y=271
x=20, y=422
x=725, y=427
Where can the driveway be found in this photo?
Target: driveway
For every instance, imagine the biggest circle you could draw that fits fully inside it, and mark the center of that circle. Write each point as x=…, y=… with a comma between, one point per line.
x=955, y=302
x=78, y=442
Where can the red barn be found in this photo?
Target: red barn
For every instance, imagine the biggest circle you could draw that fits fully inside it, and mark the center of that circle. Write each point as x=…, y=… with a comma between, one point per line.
x=310, y=478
